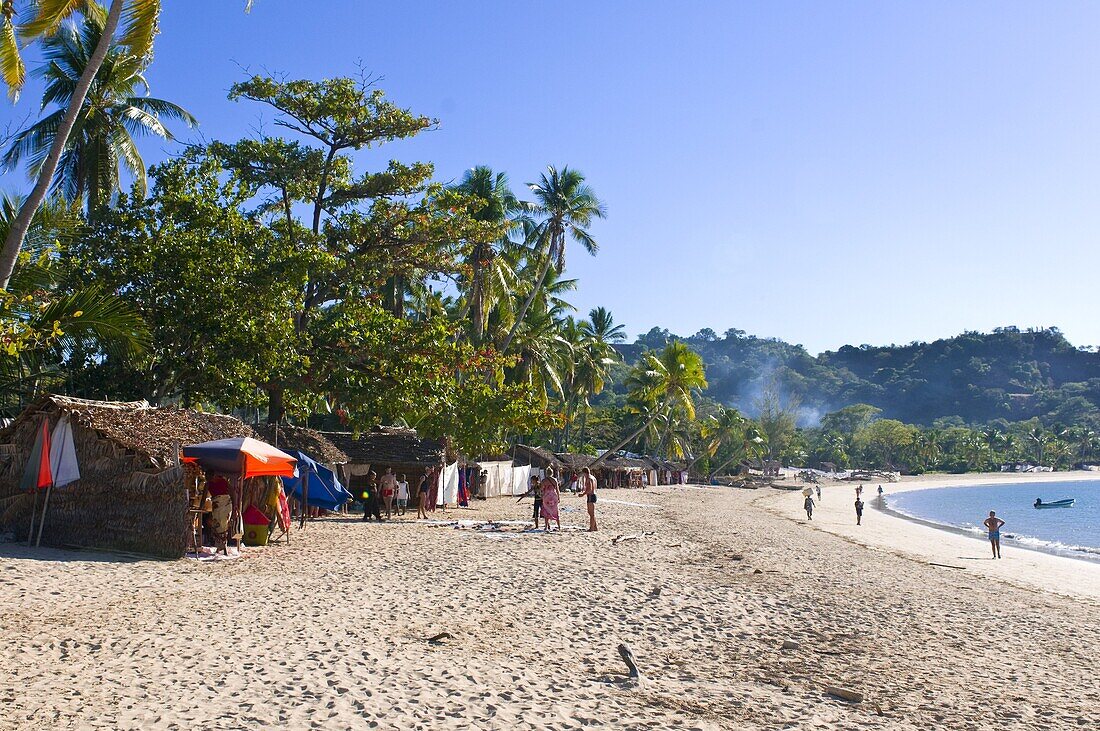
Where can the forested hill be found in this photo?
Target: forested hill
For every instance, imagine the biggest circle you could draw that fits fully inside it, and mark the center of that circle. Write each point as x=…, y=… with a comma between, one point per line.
x=973, y=378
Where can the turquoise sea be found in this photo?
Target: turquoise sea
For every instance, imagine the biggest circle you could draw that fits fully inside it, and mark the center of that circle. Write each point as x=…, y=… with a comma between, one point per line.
x=1067, y=531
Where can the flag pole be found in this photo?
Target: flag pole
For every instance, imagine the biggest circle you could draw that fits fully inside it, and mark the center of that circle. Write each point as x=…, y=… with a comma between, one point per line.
x=42, y=520
x=34, y=509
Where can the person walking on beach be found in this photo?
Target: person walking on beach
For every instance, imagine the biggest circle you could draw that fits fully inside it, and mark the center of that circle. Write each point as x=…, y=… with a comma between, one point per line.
x=389, y=488
x=859, y=490
x=880, y=490
x=588, y=490
x=993, y=525
x=402, y=494
x=818, y=487
x=859, y=511
x=551, y=496
x=809, y=505
x=422, y=498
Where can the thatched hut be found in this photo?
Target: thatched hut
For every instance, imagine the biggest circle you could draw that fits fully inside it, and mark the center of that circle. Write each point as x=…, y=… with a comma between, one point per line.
x=387, y=446
x=131, y=494
x=305, y=440
x=536, y=457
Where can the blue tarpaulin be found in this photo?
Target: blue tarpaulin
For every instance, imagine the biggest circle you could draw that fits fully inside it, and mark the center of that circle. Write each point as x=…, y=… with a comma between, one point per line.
x=325, y=490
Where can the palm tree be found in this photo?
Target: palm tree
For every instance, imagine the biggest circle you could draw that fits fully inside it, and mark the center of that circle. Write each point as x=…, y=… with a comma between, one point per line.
x=666, y=380
x=600, y=326
x=719, y=430
x=490, y=277
x=138, y=31
x=112, y=114
x=567, y=207
x=752, y=445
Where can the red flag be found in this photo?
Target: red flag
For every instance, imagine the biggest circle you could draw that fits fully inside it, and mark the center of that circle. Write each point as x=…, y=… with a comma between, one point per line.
x=37, y=474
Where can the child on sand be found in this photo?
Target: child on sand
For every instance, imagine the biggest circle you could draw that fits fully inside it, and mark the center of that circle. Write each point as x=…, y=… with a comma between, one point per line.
x=402, y=494
x=993, y=525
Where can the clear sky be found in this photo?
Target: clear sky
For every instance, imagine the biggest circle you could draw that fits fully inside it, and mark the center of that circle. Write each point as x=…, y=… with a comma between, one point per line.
x=826, y=173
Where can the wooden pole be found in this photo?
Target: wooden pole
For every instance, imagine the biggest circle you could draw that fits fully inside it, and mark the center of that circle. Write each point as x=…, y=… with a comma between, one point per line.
x=42, y=520
x=34, y=509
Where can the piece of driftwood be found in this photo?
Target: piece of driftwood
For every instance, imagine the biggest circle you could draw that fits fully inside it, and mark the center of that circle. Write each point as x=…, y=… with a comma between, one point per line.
x=628, y=657
x=946, y=566
x=790, y=645
x=631, y=537
x=849, y=695
x=434, y=639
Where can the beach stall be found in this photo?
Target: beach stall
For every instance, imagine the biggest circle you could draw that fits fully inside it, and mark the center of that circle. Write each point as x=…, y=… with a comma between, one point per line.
x=537, y=458
x=319, y=449
x=131, y=494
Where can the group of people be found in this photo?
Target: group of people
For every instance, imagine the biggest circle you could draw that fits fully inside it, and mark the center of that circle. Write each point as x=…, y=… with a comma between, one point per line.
x=391, y=493
x=546, y=494
x=809, y=504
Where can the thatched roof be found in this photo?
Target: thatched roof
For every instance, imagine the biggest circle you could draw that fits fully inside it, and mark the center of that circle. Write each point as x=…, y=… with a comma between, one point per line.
x=310, y=441
x=574, y=461
x=389, y=446
x=153, y=432
x=524, y=454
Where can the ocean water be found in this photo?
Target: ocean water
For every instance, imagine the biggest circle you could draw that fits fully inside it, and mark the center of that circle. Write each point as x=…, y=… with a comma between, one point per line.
x=1068, y=531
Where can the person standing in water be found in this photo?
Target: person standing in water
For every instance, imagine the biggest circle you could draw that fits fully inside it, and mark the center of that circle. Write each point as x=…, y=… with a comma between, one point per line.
x=808, y=504
x=880, y=490
x=588, y=490
x=993, y=525
x=859, y=511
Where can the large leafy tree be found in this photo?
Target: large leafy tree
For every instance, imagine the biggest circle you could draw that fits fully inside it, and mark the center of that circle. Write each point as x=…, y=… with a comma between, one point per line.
x=367, y=230
x=113, y=113
x=217, y=289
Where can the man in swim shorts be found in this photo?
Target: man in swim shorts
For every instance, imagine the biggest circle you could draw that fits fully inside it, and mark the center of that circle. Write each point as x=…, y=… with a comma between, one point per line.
x=993, y=525
x=588, y=490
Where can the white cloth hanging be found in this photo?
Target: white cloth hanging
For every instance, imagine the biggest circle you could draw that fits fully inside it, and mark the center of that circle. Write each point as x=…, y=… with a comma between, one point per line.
x=63, y=464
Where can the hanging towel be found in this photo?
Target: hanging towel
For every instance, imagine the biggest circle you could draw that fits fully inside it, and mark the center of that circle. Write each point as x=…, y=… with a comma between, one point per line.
x=63, y=462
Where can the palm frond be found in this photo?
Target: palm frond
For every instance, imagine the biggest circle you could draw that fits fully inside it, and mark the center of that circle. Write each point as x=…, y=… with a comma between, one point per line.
x=93, y=319
x=12, y=67
x=140, y=27
x=49, y=16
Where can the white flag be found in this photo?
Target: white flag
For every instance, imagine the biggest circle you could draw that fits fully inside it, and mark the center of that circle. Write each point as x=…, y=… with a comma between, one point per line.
x=63, y=454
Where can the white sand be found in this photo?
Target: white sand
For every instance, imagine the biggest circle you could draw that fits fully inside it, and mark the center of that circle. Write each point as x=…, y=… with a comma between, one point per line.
x=835, y=513
x=331, y=631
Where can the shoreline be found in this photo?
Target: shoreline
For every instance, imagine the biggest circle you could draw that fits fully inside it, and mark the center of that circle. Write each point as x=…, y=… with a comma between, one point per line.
x=947, y=546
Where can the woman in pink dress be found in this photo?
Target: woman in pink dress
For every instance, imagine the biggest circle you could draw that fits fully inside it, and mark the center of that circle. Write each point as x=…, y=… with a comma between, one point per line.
x=551, y=495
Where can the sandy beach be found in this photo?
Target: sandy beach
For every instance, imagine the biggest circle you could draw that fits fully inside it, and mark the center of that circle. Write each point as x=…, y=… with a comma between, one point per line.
x=333, y=630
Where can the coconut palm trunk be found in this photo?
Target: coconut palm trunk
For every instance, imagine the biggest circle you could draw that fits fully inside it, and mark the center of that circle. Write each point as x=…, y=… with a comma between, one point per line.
x=624, y=442
x=543, y=272
x=14, y=240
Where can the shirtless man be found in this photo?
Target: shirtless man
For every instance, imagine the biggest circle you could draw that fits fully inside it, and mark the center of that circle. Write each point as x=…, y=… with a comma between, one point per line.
x=993, y=525
x=389, y=487
x=588, y=490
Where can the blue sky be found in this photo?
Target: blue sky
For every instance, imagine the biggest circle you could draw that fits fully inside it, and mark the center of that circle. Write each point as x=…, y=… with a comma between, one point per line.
x=826, y=173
